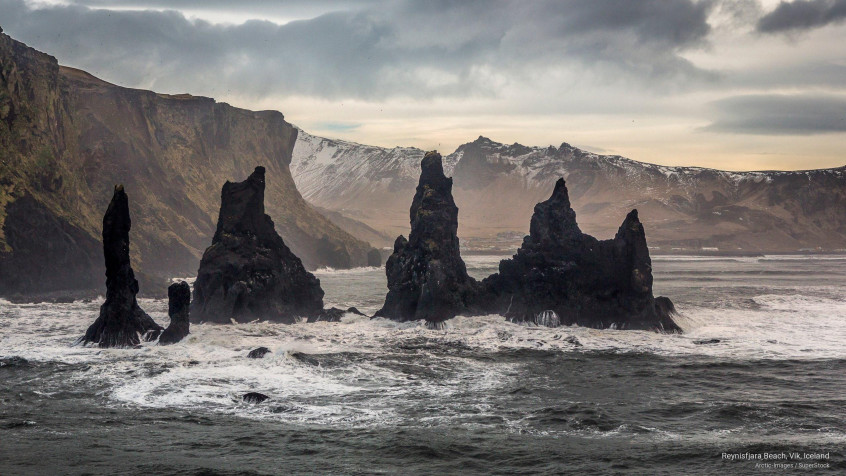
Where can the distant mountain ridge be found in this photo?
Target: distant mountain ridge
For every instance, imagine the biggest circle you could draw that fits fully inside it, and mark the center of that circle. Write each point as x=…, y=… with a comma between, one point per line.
x=684, y=209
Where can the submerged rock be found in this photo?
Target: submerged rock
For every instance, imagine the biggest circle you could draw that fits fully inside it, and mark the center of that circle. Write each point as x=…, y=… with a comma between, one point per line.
x=427, y=278
x=248, y=272
x=561, y=276
x=13, y=361
x=121, y=323
x=179, y=300
x=333, y=314
x=254, y=397
x=573, y=340
x=707, y=341
x=258, y=353
x=305, y=358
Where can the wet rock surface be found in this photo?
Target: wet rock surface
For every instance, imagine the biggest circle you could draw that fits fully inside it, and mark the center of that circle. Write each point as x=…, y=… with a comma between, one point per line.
x=179, y=301
x=258, y=353
x=427, y=279
x=254, y=397
x=561, y=276
x=248, y=272
x=334, y=314
x=122, y=323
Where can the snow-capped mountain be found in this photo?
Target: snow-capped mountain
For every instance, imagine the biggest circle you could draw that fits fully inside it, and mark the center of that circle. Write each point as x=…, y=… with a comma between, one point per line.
x=497, y=186
x=365, y=183
x=332, y=173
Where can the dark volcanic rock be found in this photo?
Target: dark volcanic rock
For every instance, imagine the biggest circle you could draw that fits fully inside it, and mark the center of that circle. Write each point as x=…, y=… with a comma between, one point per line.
x=248, y=272
x=333, y=314
x=258, y=353
x=305, y=358
x=706, y=341
x=374, y=258
x=178, y=302
x=254, y=397
x=427, y=278
x=121, y=321
x=13, y=361
x=334, y=255
x=560, y=276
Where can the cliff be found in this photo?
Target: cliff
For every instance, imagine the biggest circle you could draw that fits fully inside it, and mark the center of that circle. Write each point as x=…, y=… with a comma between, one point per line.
x=66, y=137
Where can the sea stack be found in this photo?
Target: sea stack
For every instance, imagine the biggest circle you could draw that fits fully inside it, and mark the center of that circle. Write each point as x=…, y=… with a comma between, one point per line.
x=248, y=272
x=121, y=323
x=178, y=302
x=427, y=278
x=561, y=276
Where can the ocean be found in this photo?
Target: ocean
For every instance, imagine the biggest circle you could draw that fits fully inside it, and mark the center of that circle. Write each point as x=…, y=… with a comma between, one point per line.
x=758, y=378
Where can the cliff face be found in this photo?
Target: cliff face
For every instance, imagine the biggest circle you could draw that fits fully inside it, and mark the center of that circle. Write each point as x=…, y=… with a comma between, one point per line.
x=66, y=138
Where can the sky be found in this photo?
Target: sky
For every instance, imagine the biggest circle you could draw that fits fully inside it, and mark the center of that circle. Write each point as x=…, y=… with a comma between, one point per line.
x=729, y=84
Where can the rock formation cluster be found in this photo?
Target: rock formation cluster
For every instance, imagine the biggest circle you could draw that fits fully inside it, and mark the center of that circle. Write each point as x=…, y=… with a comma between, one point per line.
x=561, y=276
x=248, y=272
x=122, y=323
x=427, y=278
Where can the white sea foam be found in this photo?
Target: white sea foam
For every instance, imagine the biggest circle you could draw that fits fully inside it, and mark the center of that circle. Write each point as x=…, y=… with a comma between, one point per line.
x=347, y=372
x=328, y=270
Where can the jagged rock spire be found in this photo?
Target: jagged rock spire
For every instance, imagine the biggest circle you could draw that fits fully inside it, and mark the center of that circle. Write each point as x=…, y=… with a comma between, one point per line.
x=242, y=207
x=121, y=323
x=554, y=221
x=563, y=276
x=427, y=278
x=248, y=272
x=178, y=302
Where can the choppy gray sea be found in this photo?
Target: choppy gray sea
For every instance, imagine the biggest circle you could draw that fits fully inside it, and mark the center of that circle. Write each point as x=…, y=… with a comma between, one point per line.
x=483, y=396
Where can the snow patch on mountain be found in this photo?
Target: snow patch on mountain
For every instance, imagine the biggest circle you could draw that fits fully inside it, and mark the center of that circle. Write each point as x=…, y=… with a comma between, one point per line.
x=323, y=168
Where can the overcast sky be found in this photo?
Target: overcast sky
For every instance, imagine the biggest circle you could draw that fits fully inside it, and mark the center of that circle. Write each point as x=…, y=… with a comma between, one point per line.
x=732, y=84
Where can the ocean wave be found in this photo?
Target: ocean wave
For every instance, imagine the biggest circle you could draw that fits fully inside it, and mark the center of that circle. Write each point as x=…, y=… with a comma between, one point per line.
x=372, y=372
x=328, y=270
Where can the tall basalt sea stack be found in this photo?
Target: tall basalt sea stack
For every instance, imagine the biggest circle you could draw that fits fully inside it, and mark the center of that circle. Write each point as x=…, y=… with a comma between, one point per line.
x=121, y=323
x=427, y=278
x=561, y=276
x=248, y=272
x=178, y=303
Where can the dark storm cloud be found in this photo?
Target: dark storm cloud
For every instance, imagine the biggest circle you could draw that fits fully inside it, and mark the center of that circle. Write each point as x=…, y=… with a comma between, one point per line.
x=280, y=8
x=375, y=50
x=780, y=114
x=802, y=15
